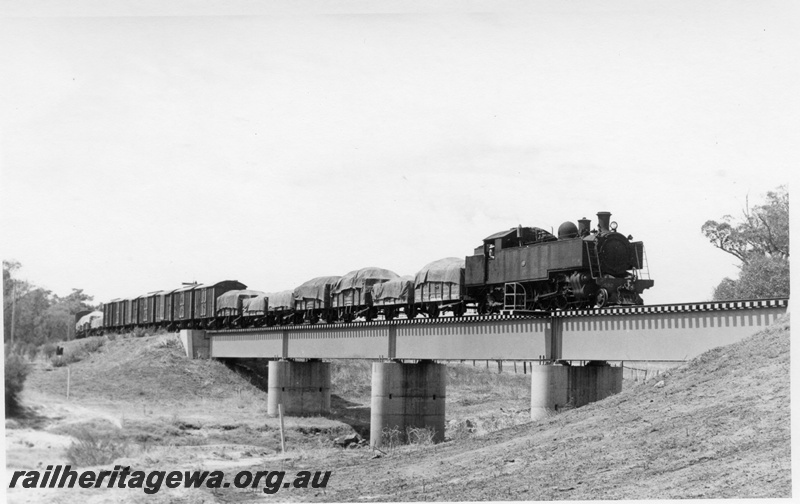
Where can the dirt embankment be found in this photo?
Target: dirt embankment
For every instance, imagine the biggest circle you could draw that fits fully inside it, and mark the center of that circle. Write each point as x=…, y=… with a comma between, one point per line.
x=716, y=427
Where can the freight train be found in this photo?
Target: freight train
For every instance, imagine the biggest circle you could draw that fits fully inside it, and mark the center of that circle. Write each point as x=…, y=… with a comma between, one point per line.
x=522, y=269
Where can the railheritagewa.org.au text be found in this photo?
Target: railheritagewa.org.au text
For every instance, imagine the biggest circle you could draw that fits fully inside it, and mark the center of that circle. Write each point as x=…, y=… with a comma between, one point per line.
x=152, y=482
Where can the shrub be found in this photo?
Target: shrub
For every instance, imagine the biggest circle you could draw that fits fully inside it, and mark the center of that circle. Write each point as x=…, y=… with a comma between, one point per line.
x=170, y=341
x=423, y=436
x=391, y=437
x=48, y=350
x=93, y=448
x=16, y=370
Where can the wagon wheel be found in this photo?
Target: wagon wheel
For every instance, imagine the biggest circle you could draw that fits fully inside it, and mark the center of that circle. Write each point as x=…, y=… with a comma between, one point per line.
x=433, y=311
x=602, y=298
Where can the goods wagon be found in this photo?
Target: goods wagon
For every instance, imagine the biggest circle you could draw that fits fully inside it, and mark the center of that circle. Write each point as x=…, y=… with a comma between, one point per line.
x=352, y=294
x=439, y=286
x=312, y=299
x=231, y=307
x=205, y=302
x=394, y=297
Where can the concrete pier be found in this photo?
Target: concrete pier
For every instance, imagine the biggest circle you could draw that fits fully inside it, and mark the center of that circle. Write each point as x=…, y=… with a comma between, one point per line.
x=302, y=388
x=555, y=387
x=405, y=396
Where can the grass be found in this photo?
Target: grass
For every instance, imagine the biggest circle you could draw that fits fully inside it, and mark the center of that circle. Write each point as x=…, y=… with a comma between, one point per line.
x=93, y=448
x=481, y=380
x=635, y=372
x=76, y=350
x=152, y=371
x=393, y=438
x=352, y=378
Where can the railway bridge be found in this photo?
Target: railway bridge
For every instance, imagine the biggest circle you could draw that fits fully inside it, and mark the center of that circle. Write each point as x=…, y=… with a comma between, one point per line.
x=409, y=382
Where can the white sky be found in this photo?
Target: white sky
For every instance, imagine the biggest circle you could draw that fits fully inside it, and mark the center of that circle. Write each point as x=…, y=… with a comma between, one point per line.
x=146, y=145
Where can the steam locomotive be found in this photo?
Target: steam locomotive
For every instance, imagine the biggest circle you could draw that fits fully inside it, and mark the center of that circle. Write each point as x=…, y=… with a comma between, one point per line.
x=522, y=269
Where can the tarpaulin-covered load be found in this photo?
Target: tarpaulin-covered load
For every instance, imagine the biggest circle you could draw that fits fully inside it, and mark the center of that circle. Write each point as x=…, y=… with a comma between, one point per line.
x=96, y=322
x=89, y=321
x=355, y=288
x=440, y=280
x=397, y=291
x=254, y=306
x=228, y=302
x=283, y=300
x=316, y=293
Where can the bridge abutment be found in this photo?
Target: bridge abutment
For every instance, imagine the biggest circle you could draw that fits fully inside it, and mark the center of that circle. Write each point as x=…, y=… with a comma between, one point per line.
x=302, y=388
x=407, y=396
x=195, y=343
x=555, y=388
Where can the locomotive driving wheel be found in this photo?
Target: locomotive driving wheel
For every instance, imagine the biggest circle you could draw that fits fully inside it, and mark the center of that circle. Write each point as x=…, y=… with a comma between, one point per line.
x=602, y=298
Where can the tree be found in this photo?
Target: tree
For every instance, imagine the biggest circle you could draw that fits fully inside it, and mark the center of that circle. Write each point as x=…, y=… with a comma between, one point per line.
x=39, y=315
x=13, y=291
x=761, y=242
x=762, y=277
x=763, y=231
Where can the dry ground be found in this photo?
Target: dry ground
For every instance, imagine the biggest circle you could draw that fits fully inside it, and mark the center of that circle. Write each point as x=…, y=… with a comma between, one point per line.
x=716, y=427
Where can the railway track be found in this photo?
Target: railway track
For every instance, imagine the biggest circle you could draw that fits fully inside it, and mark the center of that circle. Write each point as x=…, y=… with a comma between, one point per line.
x=616, y=311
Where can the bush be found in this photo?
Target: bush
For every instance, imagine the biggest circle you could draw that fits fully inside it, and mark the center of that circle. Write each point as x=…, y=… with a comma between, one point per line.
x=97, y=448
x=16, y=371
x=48, y=350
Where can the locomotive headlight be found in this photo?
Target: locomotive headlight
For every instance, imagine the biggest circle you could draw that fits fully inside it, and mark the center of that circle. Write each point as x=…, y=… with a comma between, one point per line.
x=613, y=226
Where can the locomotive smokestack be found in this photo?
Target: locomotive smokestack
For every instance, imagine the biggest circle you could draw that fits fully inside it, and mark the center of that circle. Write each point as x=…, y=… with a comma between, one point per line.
x=603, y=219
x=584, y=226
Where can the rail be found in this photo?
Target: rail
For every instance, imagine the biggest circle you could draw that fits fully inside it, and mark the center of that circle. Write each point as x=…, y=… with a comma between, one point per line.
x=705, y=306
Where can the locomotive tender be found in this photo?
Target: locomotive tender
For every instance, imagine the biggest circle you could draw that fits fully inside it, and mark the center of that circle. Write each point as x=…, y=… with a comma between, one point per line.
x=520, y=269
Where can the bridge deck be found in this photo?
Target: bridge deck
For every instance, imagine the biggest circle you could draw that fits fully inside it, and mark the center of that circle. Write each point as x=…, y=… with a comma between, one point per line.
x=663, y=332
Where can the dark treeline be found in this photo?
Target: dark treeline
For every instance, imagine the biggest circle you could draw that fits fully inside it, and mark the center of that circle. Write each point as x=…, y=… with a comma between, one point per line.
x=39, y=316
